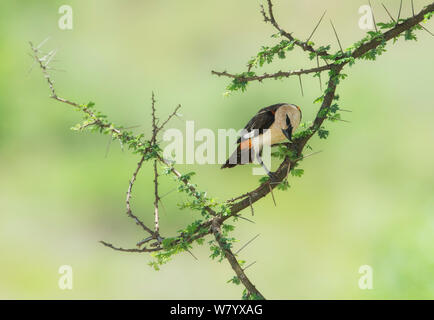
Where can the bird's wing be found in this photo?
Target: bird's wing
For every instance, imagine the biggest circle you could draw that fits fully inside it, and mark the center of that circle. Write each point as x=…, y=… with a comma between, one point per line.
x=260, y=122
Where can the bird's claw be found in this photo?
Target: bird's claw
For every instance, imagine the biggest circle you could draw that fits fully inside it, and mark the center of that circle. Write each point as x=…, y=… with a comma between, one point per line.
x=272, y=176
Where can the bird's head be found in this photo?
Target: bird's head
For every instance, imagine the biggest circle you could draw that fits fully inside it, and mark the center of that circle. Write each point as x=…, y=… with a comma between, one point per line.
x=289, y=118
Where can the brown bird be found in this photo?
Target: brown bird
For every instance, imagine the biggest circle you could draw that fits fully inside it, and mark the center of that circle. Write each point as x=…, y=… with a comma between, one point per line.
x=280, y=119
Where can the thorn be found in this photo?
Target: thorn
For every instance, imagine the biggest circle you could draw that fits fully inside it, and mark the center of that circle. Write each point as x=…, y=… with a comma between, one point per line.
x=55, y=69
x=140, y=243
x=301, y=86
x=167, y=193
x=162, y=206
x=50, y=56
x=388, y=13
x=373, y=16
x=288, y=169
x=316, y=27
x=42, y=43
x=192, y=254
x=426, y=30
x=309, y=155
x=272, y=194
x=241, y=217
x=249, y=265
x=247, y=243
x=399, y=13
x=31, y=68
x=412, y=7
x=108, y=147
x=336, y=34
x=251, y=205
x=133, y=127
x=320, y=81
x=122, y=145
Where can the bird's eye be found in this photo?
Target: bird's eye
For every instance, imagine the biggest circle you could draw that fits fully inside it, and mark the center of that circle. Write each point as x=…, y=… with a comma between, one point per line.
x=288, y=121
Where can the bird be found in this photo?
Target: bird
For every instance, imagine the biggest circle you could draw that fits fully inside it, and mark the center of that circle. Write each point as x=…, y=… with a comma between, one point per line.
x=280, y=119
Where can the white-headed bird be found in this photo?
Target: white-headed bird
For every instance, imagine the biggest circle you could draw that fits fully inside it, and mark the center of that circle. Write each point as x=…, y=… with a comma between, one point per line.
x=280, y=119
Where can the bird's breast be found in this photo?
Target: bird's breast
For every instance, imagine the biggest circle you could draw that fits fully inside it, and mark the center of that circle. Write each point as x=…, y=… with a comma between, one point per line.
x=276, y=136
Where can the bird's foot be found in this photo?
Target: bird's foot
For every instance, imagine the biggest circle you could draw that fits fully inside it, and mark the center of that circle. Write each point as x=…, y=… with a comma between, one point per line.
x=273, y=177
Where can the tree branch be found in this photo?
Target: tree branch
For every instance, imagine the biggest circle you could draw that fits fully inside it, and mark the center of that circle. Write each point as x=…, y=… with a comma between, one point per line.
x=233, y=260
x=277, y=75
x=215, y=219
x=302, y=44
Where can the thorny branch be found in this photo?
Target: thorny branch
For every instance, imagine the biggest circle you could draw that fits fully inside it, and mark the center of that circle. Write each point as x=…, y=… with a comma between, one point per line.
x=302, y=44
x=215, y=222
x=277, y=75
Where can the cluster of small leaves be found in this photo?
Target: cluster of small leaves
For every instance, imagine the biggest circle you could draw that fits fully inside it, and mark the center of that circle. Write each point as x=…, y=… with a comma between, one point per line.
x=216, y=251
x=297, y=172
x=267, y=54
x=198, y=201
x=175, y=245
x=328, y=112
x=250, y=296
x=235, y=280
x=428, y=16
x=225, y=240
x=171, y=246
x=240, y=82
x=284, y=185
x=94, y=120
x=322, y=49
x=264, y=179
x=283, y=152
x=373, y=53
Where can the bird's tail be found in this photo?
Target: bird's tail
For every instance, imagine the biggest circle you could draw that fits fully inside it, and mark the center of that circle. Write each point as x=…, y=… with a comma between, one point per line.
x=239, y=157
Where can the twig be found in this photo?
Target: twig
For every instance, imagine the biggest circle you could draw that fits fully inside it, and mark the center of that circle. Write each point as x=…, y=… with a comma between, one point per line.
x=129, y=250
x=128, y=199
x=277, y=75
x=153, y=141
x=303, y=45
x=394, y=32
x=174, y=113
x=233, y=260
x=177, y=174
x=157, y=198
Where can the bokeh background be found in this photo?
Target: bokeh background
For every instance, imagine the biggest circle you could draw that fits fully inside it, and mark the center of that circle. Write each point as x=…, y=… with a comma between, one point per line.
x=367, y=199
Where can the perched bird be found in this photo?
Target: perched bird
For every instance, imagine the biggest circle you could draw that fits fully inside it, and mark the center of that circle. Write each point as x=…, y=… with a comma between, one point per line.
x=280, y=119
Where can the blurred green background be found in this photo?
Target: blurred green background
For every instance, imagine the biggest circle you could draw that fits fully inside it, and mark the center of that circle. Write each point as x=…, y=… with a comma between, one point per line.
x=367, y=199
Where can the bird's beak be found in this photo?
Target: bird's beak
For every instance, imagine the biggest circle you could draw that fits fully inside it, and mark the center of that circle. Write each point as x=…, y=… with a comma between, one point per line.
x=288, y=132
